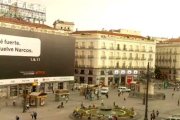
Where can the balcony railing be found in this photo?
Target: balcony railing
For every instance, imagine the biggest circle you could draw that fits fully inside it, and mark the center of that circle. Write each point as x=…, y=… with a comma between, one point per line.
x=82, y=56
x=150, y=50
x=124, y=58
x=123, y=66
x=76, y=46
x=130, y=66
x=76, y=56
x=136, y=67
x=143, y=67
x=130, y=58
x=91, y=47
x=143, y=50
x=103, y=47
x=150, y=59
x=103, y=57
x=90, y=56
x=174, y=60
x=90, y=66
x=143, y=58
x=118, y=48
x=82, y=47
x=124, y=49
x=136, y=58
x=175, y=52
x=111, y=57
x=82, y=66
x=111, y=48
x=130, y=49
x=103, y=66
x=117, y=66
x=118, y=58
x=136, y=49
x=76, y=65
x=111, y=66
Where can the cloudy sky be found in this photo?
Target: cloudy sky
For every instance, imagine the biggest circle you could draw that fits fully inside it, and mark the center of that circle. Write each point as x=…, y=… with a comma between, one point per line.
x=158, y=18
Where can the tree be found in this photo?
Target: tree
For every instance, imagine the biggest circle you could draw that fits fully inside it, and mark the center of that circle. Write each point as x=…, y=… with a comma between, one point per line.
x=157, y=72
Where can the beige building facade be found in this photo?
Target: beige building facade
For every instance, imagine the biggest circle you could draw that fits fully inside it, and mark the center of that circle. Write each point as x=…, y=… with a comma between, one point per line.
x=63, y=26
x=167, y=58
x=109, y=57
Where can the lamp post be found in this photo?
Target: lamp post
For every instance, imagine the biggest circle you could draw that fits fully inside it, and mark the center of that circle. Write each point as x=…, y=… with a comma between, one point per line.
x=25, y=94
x=98, y=90
x=146, y=107
x=144, y=96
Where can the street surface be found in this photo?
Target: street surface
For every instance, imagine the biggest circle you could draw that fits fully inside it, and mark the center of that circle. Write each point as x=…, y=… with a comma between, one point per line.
x=166, y=107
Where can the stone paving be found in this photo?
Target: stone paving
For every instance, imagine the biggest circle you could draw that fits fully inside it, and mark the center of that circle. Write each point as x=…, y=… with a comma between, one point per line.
x=166, y=107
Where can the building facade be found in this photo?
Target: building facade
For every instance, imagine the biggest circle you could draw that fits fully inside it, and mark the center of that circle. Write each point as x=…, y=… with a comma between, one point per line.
x=110, y=57
x=167, y=58
x=14, y=87
x=63, y=26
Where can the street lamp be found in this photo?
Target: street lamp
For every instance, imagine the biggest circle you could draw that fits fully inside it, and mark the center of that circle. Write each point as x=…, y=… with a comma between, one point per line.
x=25, y=94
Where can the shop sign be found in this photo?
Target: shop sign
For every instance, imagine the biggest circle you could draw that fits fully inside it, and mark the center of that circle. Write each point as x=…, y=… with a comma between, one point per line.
x=116, y=72
x=123, y=72
x=35, y=80
x=34, y=84
x=135, y=72
x=129, y=77
x=129, y=72
x=177, y=78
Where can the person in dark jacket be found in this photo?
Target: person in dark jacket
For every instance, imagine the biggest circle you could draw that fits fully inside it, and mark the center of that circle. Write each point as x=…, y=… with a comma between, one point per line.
x=17, y=117
x=35, y=115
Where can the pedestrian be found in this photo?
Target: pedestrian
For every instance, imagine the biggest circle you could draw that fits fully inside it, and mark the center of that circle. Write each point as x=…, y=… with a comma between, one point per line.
x=102, y=104
x=172, y=95
x=124, y=99
x=32, y=115
x=174, y=89
x=72, y=89
x=14, y=103
x=66, y=100
x=35, y=115
x=118, y=94
x=151, y=116
x=178, y=102
x=114, y=104
x=157, y=113
x=154, y=117
x=17, y=117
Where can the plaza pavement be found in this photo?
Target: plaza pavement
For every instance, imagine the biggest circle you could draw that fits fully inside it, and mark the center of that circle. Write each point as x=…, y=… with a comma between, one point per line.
x=166, y=107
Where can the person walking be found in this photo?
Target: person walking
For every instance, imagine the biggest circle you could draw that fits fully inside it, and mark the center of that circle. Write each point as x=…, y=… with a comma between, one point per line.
x=32, y=115
x=178, y=102
x=151, y=116
x=118, y=94
x=174, y=89
x=35, y=115
x=114, y=104
x=172, y=95
x=72, y=89
x=157, y=113
x=102, y=104
x=124, y=99
x=66, y=100
x=17, y=117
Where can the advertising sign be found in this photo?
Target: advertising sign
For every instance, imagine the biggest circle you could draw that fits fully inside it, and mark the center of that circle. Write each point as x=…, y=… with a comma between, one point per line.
x=116, y=72
x=129, y=72
x=123, y=72
x=18, y=46
x=135, y=72
x=25, y=54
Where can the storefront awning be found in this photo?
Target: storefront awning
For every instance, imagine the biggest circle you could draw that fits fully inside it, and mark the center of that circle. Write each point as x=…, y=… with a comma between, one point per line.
x=38, y=94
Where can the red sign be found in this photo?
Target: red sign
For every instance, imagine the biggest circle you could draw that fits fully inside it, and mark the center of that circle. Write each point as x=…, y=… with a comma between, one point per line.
x=129, y=77
x=36, y=80
x=40, y=72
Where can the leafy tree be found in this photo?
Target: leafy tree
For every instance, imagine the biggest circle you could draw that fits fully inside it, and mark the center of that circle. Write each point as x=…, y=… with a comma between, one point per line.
x=157, y=72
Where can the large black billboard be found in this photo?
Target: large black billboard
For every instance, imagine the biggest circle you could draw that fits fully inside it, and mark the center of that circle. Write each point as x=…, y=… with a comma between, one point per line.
x=26, y=54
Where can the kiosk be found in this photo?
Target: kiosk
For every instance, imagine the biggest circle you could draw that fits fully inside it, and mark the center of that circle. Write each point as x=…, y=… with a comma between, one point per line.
x=61, y=95
x=37, y=99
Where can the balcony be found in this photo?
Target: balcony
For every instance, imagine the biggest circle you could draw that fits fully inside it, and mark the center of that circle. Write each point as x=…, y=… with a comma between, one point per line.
x=76, y=65
x=136, y=58
x=118, y=48
x=103, y=57
x=136, y=67
x=82, y=56
x=76, y=56
x=111, y=48
x=170, y=52
x=131, y=49
x=103, y=67
x=90, y=66
x=130, y=58
x=82, y=47
x=124, y=49
x=91, y=47
x=174, y=60
x=76, y=46
x=143, y=58
x=111, y=57
x=175, y=52
x=103, y=47
x=118, y=58
x=82, y=66
x=167, y=53
x=150, y=50
x=111, y=66
x=143, y=50
x=130, y=66
x=150, y=59
x=123, y=66
x=124, y=58
x=136, y=49
x=118, y=66
x=90, y=56
x=143, y=67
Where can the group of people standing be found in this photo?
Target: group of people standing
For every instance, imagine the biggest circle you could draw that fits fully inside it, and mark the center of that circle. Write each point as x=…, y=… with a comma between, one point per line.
x=154, y=115
x=33, y=115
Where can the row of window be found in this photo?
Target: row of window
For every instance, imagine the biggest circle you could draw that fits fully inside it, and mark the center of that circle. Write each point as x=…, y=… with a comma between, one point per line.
x=111, y=45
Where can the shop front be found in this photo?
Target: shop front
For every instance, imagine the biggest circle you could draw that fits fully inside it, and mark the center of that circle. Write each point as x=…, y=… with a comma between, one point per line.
x=37, y=99
x=116, y=77
x=129, y=79
x=13, y=90
x=3, y=92
x=110, y=80
x=23, y=87
x=123, y=77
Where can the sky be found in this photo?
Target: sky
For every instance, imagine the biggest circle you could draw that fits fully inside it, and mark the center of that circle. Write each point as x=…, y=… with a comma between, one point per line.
x=157, y=18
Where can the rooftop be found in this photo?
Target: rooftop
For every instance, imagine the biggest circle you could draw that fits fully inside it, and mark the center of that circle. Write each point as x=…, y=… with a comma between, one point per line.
x=18, y=21
x=64, y=22
x=171, y=40
x=107, y=33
